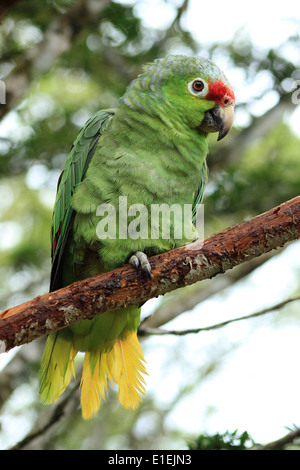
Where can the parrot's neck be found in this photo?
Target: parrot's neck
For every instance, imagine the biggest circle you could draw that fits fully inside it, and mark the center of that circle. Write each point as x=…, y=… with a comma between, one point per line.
x=152, y=114
x=151, y=146
x=148, y=155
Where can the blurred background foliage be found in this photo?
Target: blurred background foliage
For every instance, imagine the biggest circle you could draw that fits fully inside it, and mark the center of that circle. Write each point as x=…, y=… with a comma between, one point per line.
x=61, y=61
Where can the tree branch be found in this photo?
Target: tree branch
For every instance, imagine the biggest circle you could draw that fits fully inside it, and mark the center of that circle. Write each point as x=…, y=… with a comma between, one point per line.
x=160, y=331
x=174, y=305
x=171, y=270
x=61, y=410
x=279, y=443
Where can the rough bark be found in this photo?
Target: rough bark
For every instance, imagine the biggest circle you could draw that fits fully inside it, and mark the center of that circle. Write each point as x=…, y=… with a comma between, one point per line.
x=171, y=270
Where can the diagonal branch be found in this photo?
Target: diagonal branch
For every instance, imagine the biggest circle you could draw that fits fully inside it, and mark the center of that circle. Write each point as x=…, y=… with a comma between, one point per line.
x=160, y=331
x=279, y=444
x=174, y=305
x=62, y=409
x=171, y=270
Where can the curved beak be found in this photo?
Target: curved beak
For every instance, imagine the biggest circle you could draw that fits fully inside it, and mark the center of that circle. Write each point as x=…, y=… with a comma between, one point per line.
x=218, y=119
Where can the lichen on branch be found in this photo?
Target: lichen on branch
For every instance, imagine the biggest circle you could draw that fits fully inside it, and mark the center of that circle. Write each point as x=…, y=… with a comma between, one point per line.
x=170, y=270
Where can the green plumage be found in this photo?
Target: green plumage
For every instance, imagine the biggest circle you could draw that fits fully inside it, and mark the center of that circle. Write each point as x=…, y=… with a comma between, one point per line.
x=150, y=149
x=74, y=170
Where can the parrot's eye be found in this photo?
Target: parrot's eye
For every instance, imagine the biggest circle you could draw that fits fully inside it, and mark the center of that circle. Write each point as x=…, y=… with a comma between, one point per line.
x=198, y=87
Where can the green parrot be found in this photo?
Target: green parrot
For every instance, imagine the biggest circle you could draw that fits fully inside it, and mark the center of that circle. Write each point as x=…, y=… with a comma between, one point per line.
x=151, y=150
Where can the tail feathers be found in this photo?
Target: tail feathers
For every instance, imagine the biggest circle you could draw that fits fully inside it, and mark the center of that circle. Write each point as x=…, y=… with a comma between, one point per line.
x=93, y=383
x=124, y=364
x=57, y=366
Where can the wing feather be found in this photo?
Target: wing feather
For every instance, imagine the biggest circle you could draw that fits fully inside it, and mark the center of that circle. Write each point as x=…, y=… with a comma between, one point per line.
x=73, y=173
x=199, y=194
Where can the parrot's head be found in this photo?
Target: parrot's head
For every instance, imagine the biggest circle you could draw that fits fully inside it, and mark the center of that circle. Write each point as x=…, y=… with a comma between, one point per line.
x=193, y=88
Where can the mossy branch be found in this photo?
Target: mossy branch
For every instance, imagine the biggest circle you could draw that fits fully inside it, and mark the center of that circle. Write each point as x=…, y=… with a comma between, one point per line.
x=176, y=268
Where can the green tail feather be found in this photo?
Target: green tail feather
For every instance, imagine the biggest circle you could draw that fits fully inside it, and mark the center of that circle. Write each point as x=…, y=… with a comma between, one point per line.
x=57, y=365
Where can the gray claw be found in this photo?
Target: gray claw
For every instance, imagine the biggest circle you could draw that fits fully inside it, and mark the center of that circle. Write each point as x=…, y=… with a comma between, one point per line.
x=134, y=261
x=140, y=259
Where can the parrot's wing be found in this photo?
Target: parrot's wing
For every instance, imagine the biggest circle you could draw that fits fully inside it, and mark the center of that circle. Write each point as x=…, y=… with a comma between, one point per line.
x=73, y=173
x=198, y=196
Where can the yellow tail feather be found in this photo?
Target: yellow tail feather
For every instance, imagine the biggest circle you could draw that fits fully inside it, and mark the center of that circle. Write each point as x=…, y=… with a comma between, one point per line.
x=124, y=363
x=93, y=383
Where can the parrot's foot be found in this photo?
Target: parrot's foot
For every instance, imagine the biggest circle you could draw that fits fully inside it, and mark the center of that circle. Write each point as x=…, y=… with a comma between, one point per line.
x=140, y=259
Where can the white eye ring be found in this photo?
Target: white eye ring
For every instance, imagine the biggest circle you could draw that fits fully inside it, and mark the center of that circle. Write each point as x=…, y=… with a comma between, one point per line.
x=197, y=82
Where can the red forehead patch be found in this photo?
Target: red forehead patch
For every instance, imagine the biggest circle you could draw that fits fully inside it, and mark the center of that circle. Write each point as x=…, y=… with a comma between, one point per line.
x=220, y=93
